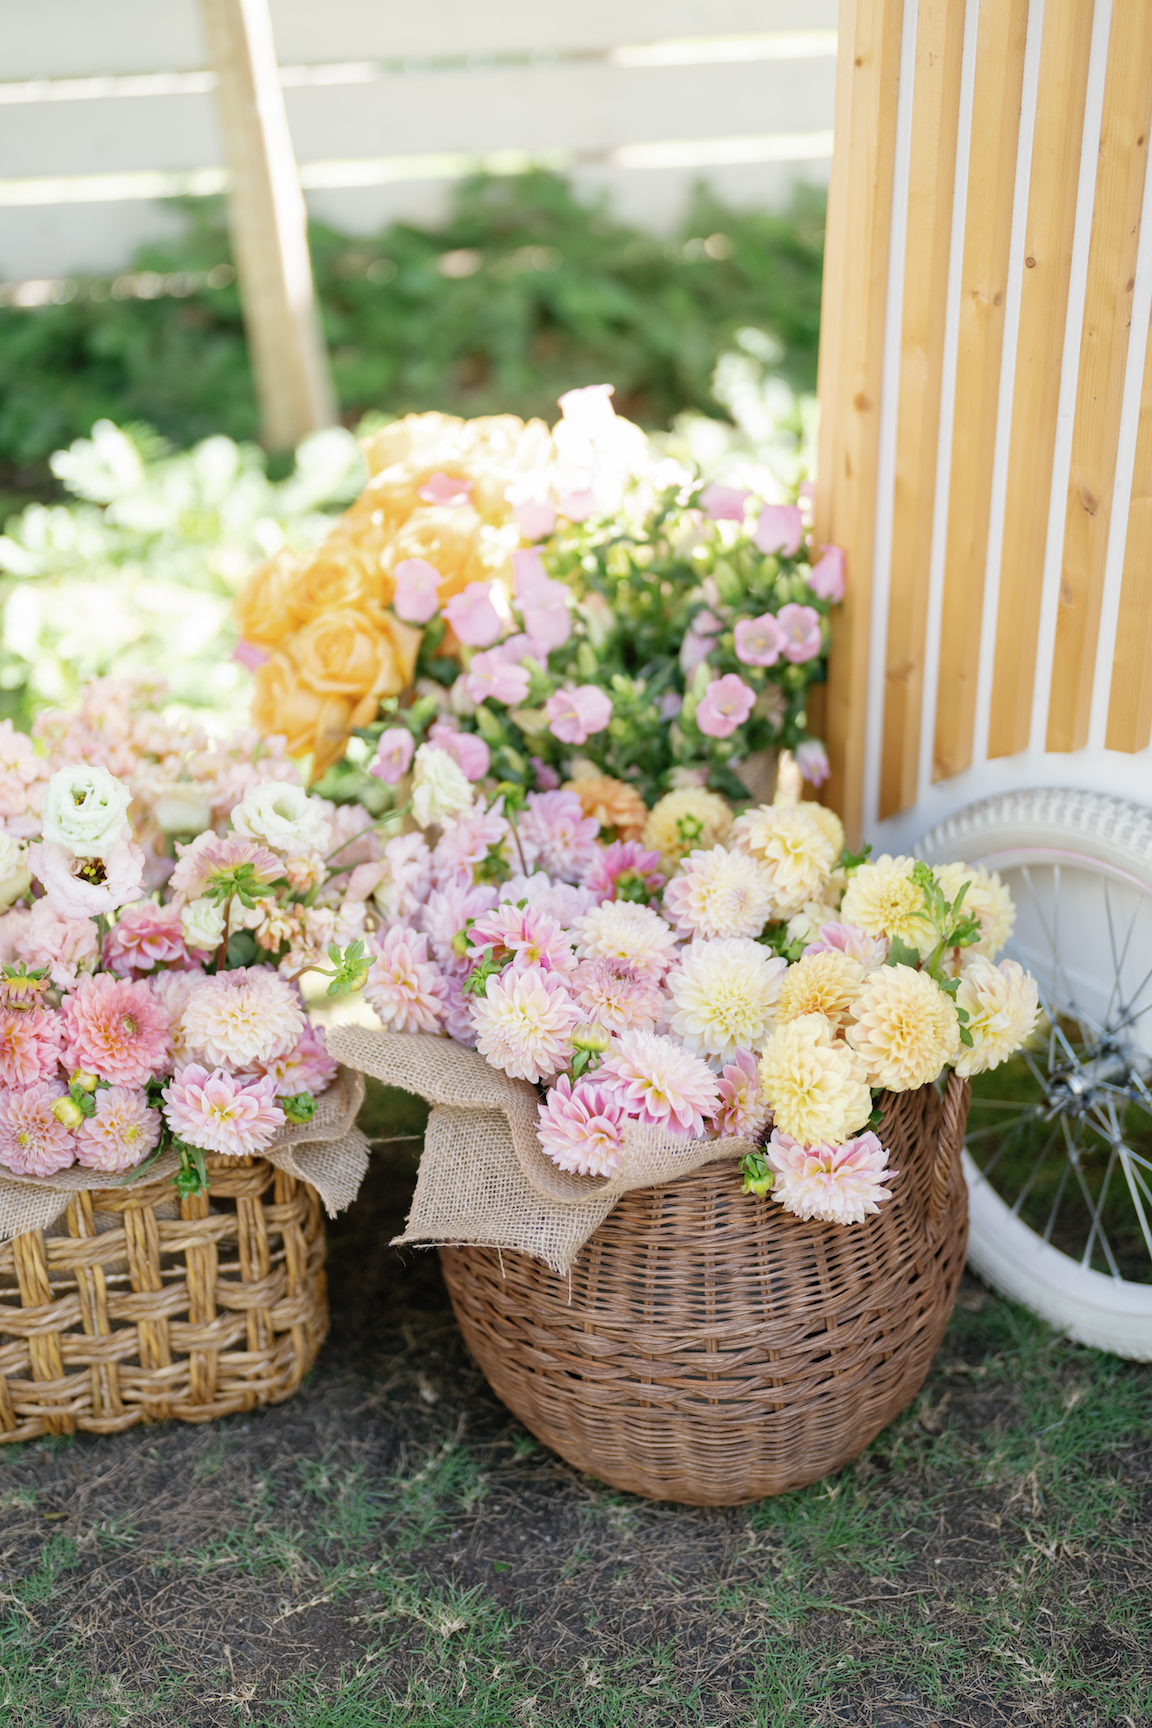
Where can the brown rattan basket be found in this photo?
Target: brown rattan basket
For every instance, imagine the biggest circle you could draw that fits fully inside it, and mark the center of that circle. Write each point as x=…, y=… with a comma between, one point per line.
x=713, y=1349
x=145, y=1309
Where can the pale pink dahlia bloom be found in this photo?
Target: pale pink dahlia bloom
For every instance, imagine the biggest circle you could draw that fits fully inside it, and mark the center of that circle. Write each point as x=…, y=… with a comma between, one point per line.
x=307, y=1067
x=580, y=1128
x=399, y=881
x=243, y=1016
x=618, y=996
x=556, y=836
x=531, y=937
x=145, y=936
x=404, y=987
x=743, y=1109
x=523, y=1023
x=466, y=843
x=172, y=990
x=623, y=930
x=29, y=1046
x=560, y=900
x=32, y=1142
x=622, y=863
x=116, y=1028
x=121, y=1133
x=835, y=1184
x=458, y=1013
x=210, y=855
x=719, y=893
x=851, y=940
x=84, y=887
x=66, y=946
x=660, y=1083
x=445, y=913
x=222, y=1112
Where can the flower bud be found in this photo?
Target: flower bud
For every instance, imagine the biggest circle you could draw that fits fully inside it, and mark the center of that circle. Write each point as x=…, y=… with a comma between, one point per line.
x=86, y=1082
x=590, y=1037
x=460, y=943
x=67, y=1112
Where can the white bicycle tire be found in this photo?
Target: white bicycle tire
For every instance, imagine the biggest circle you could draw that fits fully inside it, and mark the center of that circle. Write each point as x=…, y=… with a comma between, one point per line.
x=1088, y=827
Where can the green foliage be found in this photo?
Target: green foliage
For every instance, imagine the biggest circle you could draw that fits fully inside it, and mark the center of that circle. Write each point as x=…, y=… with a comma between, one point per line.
x=522, y=292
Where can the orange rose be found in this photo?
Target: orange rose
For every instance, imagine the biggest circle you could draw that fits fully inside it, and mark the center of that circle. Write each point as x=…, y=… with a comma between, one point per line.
x=414, y=435
x=313, y=724
x=342, y=653
x=341, y=574
x=614, y=805
x=263, y=609
x=449, y=539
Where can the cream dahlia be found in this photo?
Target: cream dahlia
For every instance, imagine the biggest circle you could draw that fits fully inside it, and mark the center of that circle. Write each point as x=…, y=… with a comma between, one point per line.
x=724, y=995
x=817, y=1087
x=987, y=899
x=719, y=893
x=683, y=820
x=824, y=983
x=883, y=900
x=793, y=849
x=904, y=1028
x=1002, y=1004
x=243, y=1016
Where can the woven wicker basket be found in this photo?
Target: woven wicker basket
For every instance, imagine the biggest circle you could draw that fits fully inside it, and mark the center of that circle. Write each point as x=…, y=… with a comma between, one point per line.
x=144, y=1309
x=713, y=1349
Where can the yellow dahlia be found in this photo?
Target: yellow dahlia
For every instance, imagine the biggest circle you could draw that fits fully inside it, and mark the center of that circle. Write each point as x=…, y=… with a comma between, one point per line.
x=1002, y=1004
x=683, y=820
x=827, y=983
x=883, y=900
x=794, y=849
x=904, y=1028
x=987, y=898
x=828, y=823
x=816, y=1085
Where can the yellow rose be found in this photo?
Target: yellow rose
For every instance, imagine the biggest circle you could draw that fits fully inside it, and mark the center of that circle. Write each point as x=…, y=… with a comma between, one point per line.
x=404, y=438
x=449, y=540
x=342, y=653
x=263, y=609
x=339, y=575
x=312, y=723
x=489, y=452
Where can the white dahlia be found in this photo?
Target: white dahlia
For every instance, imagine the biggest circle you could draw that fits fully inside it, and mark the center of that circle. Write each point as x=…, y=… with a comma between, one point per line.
x=719, y=893
x=623, y=930
x=904, y=1028
x=796, y=853
x=724, y=994
x=1002, y=1004
x=827, y=983
x=816, y=1085
x=883, y=900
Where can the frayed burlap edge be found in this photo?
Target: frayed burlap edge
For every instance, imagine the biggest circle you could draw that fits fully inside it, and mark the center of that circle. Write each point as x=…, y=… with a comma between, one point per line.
x=483, y=1178
x=330, y=1152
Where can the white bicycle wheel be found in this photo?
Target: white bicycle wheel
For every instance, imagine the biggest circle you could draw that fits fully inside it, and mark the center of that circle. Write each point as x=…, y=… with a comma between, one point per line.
x=1058, y=1152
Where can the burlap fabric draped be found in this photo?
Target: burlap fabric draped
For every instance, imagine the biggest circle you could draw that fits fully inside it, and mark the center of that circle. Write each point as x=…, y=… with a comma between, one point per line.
x=483, y=1177
x=330, y=1152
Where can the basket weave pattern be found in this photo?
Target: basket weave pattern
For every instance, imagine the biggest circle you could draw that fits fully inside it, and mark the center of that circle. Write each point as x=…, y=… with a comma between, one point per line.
x=713, y=1349
x=146, y=1309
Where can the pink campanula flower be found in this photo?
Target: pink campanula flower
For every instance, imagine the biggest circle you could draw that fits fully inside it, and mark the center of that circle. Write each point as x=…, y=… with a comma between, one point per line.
x=473, y=617
x=32, y=1141
x=115, y=1028
x=249, y=655
x=447, y=490
x=697, y=643
x=780, y=528
x=574, y=715
x=801, y=627
x=835, y=1184
x=549, y=625
x=826, y=577
x=490, y=678
x=760, y=641
x=530, y=581
x=530, y=936
x=393, y=755
x=470, y=753
x=29, y=1045
x=725, y=705
x=121, y=1133
x=416, y=598
x=660, y=1083
x=670, y=705
x=145, y=936
x=535, y=518
x=547, y=779
x=626, y=859
x=221, y=1112
x=724, y=503
x=581, y=1128
x=812, y=761
x=84, y=887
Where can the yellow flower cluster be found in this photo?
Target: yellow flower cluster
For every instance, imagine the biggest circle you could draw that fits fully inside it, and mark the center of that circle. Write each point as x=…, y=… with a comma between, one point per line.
x=335, y=649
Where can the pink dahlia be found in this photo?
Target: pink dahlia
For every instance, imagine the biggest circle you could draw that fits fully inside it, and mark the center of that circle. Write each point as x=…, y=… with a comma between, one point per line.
x=619, y=996
x=211, y=855
x=404, y=987
x=243, y=1016
x=560, y=900
x=835, y=1184
x=580, y=1128
x=458, y=1013
x=80, y=888
x=307, y=1067
x=32, y=1141
x=117, y=1029
x=556, y=836
x=660, y=1083
x=851, y=940
x=145, y=936
x=743, y=1109
x=172, y=990
x=29, y=1046
x=121, y=1133
x=624, y=865
x=523, y=1023
x=531, y=937
x=445, y=913
x=65, y=945
x=222, y=1112
x=465, y=844
x=20, y=771
x=402, y=877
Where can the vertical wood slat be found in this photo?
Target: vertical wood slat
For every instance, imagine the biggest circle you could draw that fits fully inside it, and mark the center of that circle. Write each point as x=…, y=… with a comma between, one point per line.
x=931, y=185
x=1112, y=250
x=851, y=363
x=998, y=85
x=1063, y=83
x=1130, y=697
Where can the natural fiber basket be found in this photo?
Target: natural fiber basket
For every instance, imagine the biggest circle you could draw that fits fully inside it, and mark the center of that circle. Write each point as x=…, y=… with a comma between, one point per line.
x=711, y=1348
x=145, y=1309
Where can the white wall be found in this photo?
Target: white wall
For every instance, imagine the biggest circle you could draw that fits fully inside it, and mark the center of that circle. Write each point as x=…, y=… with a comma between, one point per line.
x=588, y=109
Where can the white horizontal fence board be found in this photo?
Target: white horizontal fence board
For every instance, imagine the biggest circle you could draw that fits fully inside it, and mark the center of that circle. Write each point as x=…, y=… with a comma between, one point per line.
x=81, y=38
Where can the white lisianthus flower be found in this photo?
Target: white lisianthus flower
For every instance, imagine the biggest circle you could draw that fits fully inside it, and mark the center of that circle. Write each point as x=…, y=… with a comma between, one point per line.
x=1002, y=1004
x=202, y=923
x=183, y=810
x=15, y=878
x=283, y=817
x=439, y=786
x=85, y=810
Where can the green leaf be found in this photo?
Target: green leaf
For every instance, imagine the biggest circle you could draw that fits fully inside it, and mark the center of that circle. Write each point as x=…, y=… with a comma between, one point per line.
x=900, y=954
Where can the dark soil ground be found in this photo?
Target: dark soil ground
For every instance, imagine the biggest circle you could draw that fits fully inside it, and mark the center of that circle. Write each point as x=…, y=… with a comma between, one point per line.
x=391, y=1547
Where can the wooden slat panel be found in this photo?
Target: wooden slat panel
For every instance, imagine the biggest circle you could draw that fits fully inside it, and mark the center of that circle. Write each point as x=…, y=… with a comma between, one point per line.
x=1103, y=356
x=851, y=363
x=1063, y=81
x=931, y=183
x=1130, y=698
x=999, y=80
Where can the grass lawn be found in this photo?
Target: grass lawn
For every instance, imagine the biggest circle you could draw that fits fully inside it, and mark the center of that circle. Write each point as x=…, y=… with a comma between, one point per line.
x=390, y=1547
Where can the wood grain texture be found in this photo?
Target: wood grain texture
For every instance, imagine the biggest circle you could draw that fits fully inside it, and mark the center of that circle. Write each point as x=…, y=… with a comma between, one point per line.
x=1064, y=51
x=851, y=364
x=1130, y=697
x=1112, y=250
x=931, y=187
x=998, y=83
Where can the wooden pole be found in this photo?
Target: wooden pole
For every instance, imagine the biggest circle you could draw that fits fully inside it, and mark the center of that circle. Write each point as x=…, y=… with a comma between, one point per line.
x=269, y=225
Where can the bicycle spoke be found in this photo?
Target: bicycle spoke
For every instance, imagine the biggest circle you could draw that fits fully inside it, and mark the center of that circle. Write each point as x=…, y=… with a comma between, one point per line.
x=1067, y=1171
x=1036, y=1168
x=1097, y=1210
